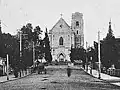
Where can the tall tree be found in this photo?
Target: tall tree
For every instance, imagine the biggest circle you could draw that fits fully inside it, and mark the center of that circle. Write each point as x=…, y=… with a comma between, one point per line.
x=27, y=37
x=9, y=46
x=47, y=50
x=38, y=42
x=72, y=54
x=39, y=51
x=95, y=57
x=36, y=34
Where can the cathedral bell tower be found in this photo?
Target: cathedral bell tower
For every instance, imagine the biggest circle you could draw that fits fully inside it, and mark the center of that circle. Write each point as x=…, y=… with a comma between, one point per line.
x=77, y=27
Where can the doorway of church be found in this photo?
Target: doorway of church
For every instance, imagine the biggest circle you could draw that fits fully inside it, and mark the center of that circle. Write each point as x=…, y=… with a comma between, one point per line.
x=61, y=58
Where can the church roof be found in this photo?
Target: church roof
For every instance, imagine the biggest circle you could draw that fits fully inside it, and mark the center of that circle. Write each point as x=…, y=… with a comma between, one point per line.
x=61, y=19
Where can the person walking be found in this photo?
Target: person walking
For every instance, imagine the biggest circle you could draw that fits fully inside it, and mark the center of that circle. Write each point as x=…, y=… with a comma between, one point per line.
x=68, y=71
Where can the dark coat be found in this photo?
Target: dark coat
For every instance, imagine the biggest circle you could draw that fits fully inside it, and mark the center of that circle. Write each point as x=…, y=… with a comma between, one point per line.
x=69, y=71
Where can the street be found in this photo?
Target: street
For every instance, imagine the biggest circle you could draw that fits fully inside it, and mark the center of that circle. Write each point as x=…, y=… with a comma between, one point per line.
x=56, y=79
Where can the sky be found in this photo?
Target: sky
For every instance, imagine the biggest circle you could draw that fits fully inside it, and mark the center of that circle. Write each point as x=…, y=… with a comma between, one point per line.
x=45, y=13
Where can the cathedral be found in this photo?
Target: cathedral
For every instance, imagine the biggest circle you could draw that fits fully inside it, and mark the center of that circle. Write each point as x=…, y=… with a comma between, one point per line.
x=64, y=37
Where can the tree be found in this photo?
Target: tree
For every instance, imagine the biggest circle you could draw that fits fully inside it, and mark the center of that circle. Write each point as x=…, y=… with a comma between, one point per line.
x=27, y=37
x=47, y=50
x=9, y=45
x=36, y=34
x=72, y=55
x=15, y=63
x=95, y=57
x=90, y=53
x=38, y=42
x=27, y=32
x=77, y=54
x=40, y=50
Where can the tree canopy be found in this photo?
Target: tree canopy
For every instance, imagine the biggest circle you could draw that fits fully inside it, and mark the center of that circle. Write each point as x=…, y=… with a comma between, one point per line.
x=77, y=54
x=10, y=44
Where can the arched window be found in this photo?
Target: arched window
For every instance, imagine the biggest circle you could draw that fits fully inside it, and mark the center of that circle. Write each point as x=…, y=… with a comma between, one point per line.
x=53, y=37
x=77, y=31
x=61, y=41
x=77, y=23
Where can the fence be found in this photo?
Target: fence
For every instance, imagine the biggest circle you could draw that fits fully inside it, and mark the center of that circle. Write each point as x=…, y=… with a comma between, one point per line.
x=113, y=72
x=25, y=72
x=22, y=73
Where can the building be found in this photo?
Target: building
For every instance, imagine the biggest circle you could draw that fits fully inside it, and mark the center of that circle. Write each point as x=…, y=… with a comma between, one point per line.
x=64, y=37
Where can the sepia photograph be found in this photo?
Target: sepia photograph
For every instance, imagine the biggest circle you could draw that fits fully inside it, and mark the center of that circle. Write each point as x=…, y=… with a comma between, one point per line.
x=59, y=44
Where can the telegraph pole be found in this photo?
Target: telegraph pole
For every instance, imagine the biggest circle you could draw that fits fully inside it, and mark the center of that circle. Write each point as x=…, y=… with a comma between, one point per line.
x=99, y=71
x=7, y=68
x=20, y=49
x=86, y=57
x=20, y=45
x=33, y=55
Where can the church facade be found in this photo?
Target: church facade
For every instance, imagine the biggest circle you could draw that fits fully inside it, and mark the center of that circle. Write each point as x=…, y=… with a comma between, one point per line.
x=64, y=37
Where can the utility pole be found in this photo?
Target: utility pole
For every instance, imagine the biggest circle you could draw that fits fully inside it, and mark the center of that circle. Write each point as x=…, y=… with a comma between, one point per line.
x=86, y=57
x=7, y=68
x=33, y=55
x=20, y=49
x=20, y=45
x=99, y=71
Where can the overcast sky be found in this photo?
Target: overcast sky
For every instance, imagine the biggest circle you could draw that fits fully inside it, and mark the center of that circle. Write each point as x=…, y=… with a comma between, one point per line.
x=45, y=13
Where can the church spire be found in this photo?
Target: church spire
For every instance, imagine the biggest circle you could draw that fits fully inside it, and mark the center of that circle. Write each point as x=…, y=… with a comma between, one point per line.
x=110, y=24
x=110, y=29
x=110, y=32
